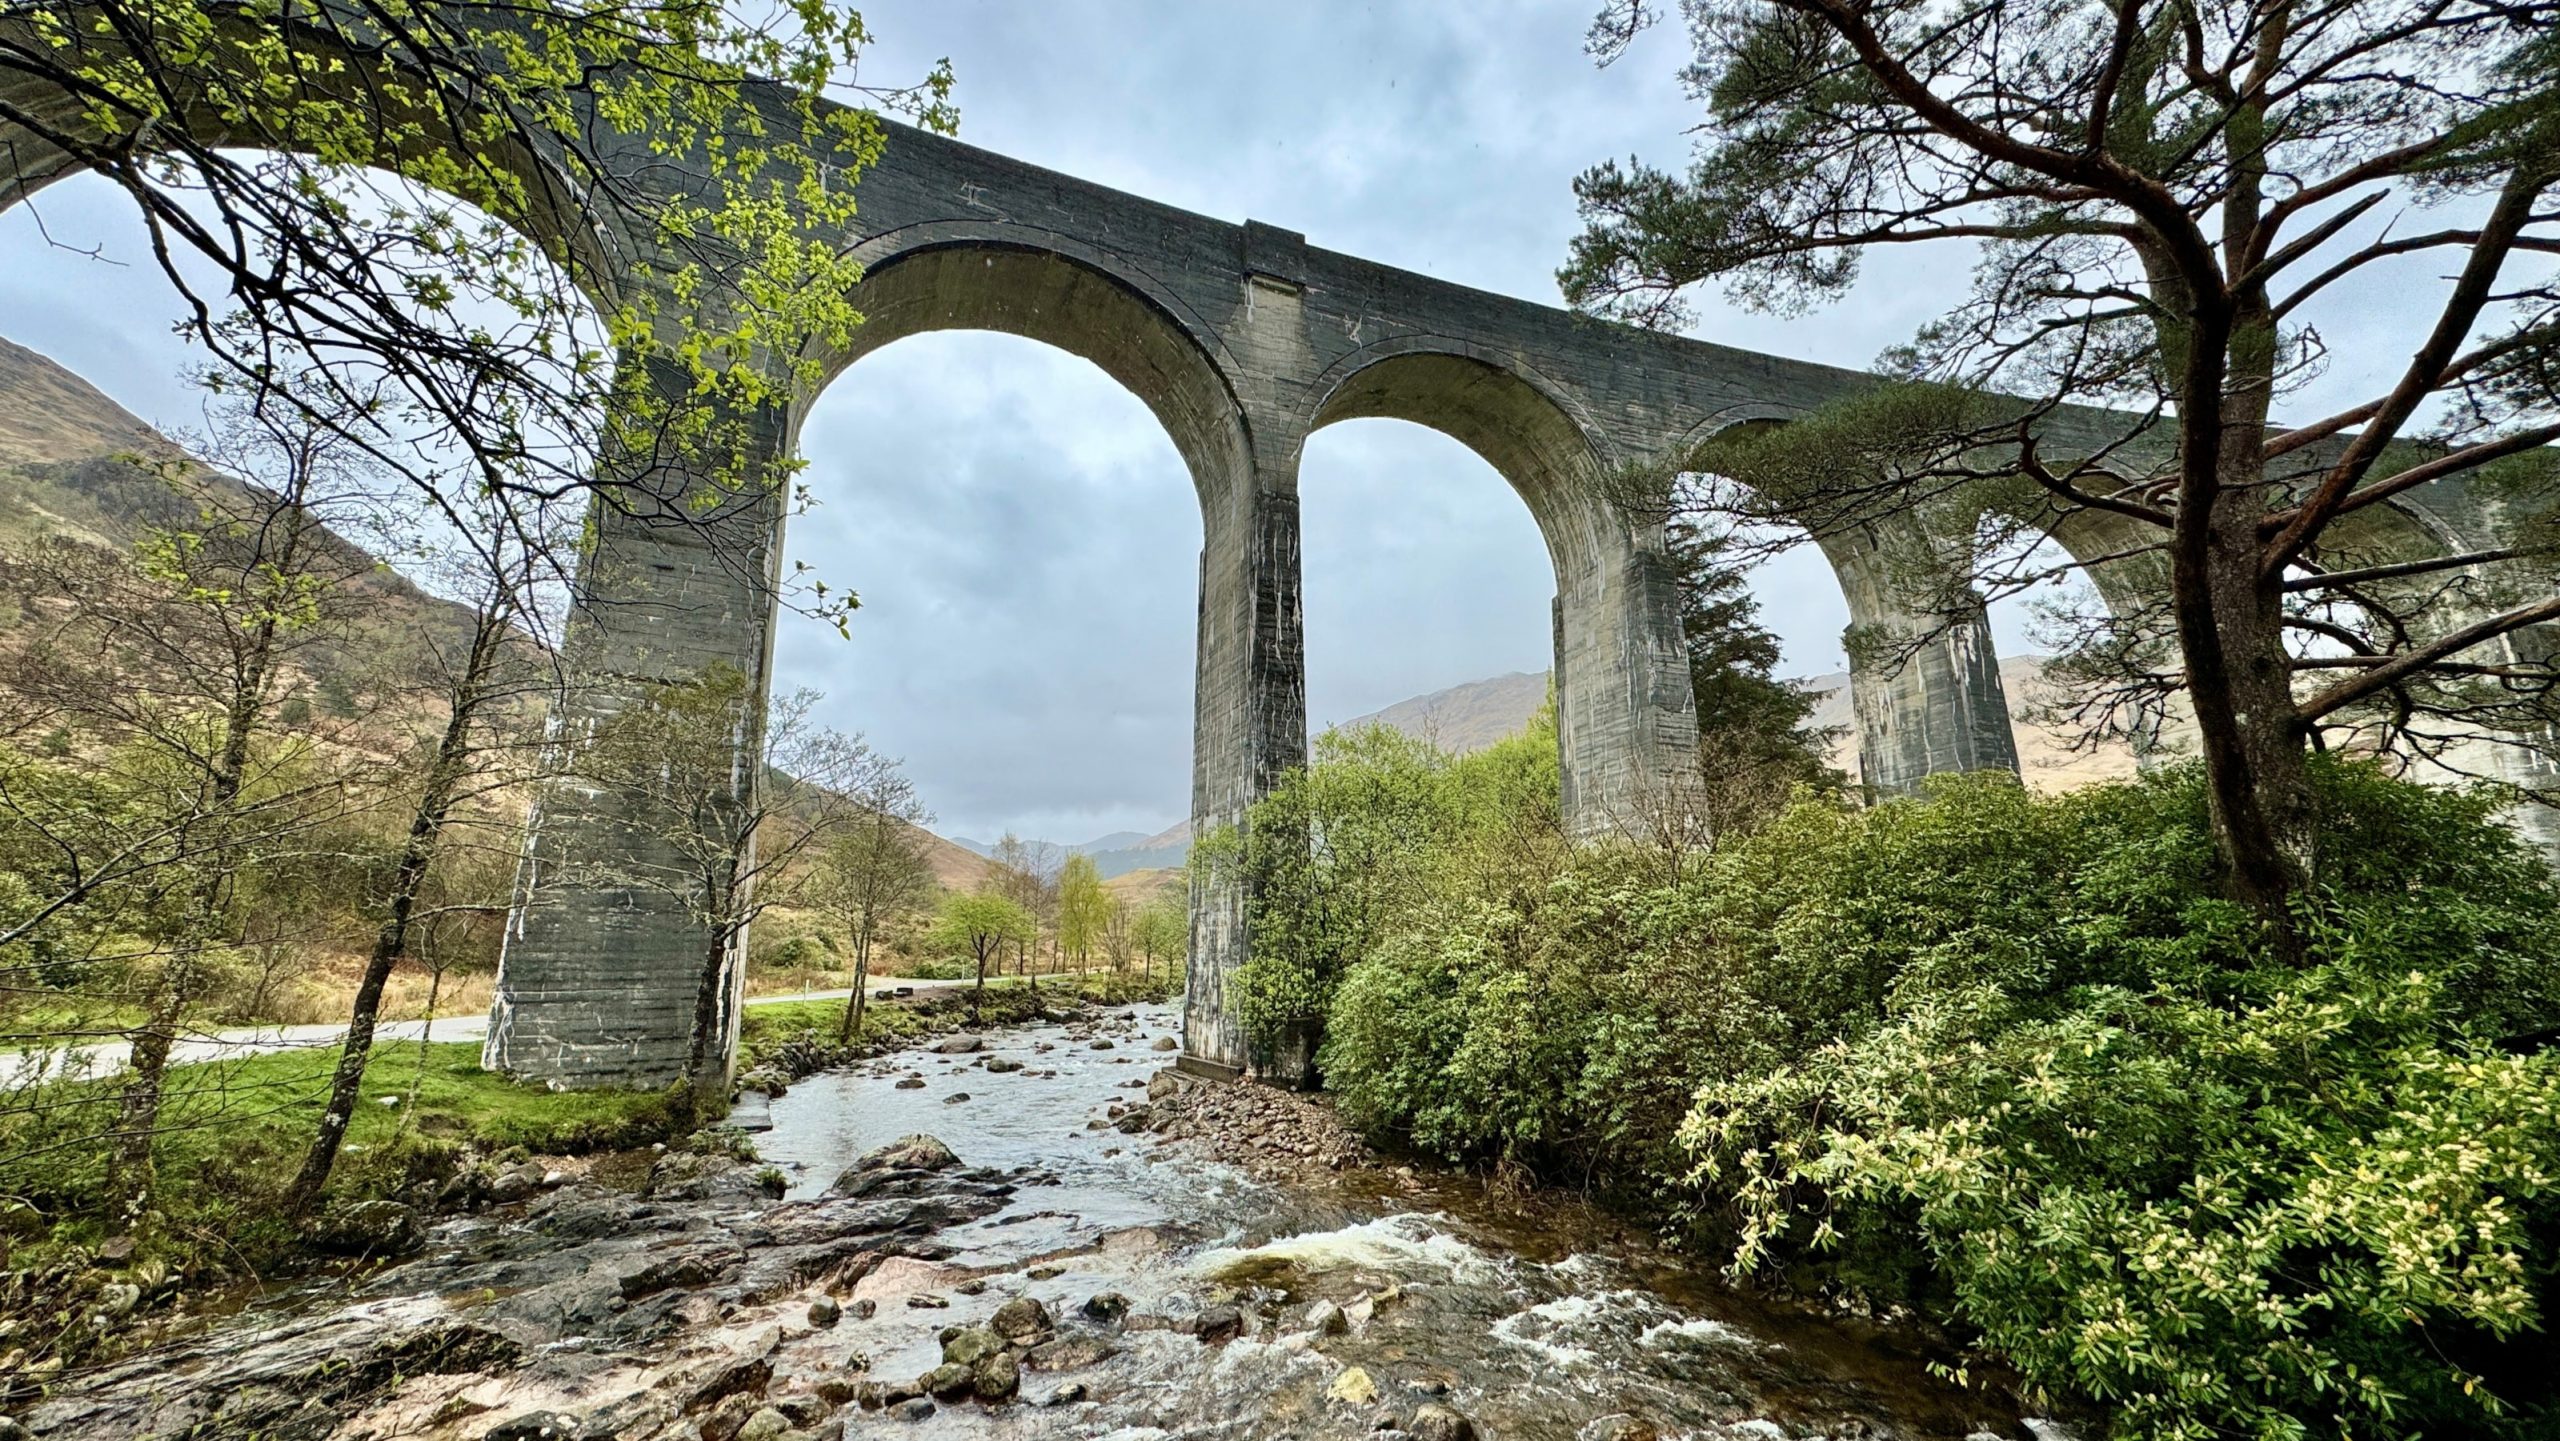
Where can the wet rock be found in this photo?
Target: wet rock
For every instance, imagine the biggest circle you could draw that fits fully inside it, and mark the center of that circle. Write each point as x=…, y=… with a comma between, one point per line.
x=1102, y=1045
x=1353, y=1387
x=1106, y=1306
x=1068, y=1394
x=1216, y=1324
x=997, y=1378
x=970, y=1345
x=913, y=1409
x=824, y=1312
x=910, y=1083
x=724, y=1421
x=682, y=1272
x=1326, y=1319
x=1627, y=1428
x=746, y=1378
x=1070, y=1353
x=1021, y=1319
x=1162, y=1084
x=865, y=1309
x=998, y=1065
x=948, y=1380
x=959, y=1045
x=1045, y=1273
x=901, y=1168
x=1167, y=1043
x=955, y=1098
x=1439, y=1423
x=1357, y=1314
x=928, y=1302
x=974, y=1286
x=531, y=1426
x=802, y=1410
x=515, y=1183
x=370, y=1228
x=766, y=1425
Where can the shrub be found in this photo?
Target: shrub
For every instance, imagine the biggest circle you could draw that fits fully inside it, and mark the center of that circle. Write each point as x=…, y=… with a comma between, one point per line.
x=2018, y=1060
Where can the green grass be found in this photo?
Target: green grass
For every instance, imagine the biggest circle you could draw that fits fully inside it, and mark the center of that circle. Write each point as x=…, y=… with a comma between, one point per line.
x=235, y=1132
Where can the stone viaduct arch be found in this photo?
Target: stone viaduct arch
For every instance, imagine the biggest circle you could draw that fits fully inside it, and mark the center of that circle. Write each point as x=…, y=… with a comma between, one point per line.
x=1243, y=340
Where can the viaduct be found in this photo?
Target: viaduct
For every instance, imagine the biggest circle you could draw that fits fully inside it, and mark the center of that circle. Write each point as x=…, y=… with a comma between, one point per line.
x=1243, y=340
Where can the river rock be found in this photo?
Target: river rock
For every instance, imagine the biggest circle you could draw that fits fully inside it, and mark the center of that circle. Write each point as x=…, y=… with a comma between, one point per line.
x=1071, y=1353
x=1021, y=1319
x=1216, y=1324
x=1106, y=1306
x=998, y=1065
x=947, y=1380
x=997, y=1378
x=724, y=1421
x=531, y=1426
x=1439, y=1423
x=914, y=1408
x=1326, y=1319
x=1167, y=1043
x=959, y=1045
x=900, y=1168
x=824, y=1312
x=1628, y=1428
x=969, y=1345
x=766, y=1425
x=1353, y=1387
x=910, y=1083
x=955, y=1098
x=515, y=1183
x=1102, y=1044
x=1068, y=1394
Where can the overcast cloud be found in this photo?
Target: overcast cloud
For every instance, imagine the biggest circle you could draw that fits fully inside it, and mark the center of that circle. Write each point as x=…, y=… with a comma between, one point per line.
x=1020, y=529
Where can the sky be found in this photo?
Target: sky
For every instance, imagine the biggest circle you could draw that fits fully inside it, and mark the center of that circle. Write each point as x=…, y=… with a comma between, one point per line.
x=1021, y=532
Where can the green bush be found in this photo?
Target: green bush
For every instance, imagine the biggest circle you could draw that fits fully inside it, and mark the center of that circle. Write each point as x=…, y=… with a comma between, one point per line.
x=2017, y=1060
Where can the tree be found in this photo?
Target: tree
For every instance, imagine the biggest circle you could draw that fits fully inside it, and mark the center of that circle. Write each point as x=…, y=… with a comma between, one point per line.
x=1161, y=932
x=875, y=870
x=1026, y=873
x=1754, y=746
x=2166, y=199
x=493, y=669
x=732, y=799
x=982, y=923
x=174, y=657
x=353, y=193
x=1084, y=908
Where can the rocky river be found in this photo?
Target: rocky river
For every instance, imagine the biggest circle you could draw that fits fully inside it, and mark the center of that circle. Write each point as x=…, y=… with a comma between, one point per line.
x=1035, y=1233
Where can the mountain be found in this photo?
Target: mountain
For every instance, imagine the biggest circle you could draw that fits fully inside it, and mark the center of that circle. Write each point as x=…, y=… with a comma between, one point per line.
x=1116, y=854
x=1465, y=718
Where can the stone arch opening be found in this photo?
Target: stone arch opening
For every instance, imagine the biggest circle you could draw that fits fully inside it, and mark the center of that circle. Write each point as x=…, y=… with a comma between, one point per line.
x=1021, y=531
x=1073, y=303
x=1626, y=730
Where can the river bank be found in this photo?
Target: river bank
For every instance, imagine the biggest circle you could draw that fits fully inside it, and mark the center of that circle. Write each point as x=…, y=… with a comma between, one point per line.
x=1052, y=1266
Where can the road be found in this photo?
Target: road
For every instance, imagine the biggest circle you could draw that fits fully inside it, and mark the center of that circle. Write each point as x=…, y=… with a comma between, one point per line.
x=106, y=1057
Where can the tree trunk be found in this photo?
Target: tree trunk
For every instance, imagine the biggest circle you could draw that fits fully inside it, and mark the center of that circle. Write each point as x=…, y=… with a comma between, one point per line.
x=852, y=1025
x=706, y=1018
x=978, y=996
x=391, y=943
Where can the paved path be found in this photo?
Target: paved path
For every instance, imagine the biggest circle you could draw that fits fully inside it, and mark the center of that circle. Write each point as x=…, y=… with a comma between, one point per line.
x=104, y=1057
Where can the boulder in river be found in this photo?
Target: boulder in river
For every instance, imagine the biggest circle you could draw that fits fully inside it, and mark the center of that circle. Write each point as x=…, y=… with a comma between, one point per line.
x=1106, y=1306
x=1439, y=1423
x=896, y=1168
x=969, y=1345
x=959, y=1045
x=1021, y=1319
x=948, y=1380
x=1071, y=1352
x=997, y=1378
